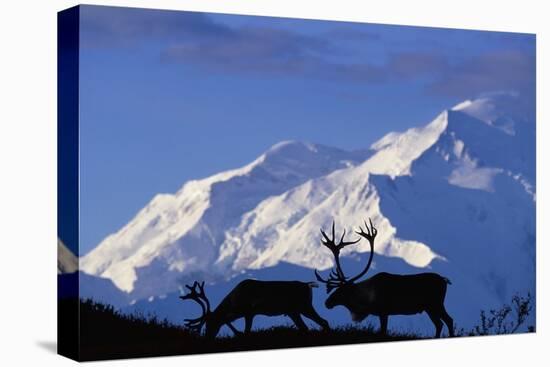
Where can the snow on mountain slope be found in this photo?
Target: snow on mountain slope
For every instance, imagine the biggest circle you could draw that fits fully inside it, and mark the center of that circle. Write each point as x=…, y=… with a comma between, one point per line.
x=181, y=233
x=456, y=196
x=286, y=227
x=396, y=151
x=67, y=262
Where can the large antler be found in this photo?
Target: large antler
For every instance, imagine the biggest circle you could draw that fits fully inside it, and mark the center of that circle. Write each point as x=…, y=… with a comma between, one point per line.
x=196, y=293
x=336, y=277
x=370, y=234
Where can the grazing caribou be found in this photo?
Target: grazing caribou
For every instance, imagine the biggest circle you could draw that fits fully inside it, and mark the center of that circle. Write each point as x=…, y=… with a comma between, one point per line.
x=254, y=297
x=384, y=294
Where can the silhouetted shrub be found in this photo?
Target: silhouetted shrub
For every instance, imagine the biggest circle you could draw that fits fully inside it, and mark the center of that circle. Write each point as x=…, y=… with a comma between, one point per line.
x=506, y=320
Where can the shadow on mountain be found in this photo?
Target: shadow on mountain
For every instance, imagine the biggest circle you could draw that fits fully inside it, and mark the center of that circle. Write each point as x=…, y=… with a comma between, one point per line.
x=495, y=215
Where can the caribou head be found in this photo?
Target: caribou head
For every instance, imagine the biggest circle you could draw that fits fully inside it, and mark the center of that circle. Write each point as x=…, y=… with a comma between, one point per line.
x=345, y=293
x=208, y=318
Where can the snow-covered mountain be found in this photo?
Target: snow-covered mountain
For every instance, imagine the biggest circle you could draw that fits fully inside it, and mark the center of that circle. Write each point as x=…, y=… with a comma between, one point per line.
x=456, y=196
x=181, y=233
x=67, y=262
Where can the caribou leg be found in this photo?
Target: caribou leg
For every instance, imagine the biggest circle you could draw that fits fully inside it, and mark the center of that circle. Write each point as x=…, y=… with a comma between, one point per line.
x=248, y=323
x=233, y=329
x=383, y=324
x=436, y=319
x=311, y=314
x=448, y=321
x=300, y=324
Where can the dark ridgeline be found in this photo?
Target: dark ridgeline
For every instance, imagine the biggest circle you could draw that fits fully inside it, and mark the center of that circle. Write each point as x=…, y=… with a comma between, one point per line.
x=384, y=294
x=254, y=297
x=107, y=333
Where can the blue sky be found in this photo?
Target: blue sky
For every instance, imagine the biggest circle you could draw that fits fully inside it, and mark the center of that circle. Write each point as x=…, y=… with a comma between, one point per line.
x=170, y=96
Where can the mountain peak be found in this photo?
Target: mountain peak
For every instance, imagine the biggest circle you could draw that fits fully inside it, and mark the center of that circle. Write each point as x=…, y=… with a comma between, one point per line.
x=288, y=145
x=289, y=150
x=502, y=110
x=299, y=149
x=395, y=152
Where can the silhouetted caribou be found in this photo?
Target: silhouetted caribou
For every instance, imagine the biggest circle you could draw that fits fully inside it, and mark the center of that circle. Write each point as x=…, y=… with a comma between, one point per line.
x=384, y=294
x=254, y=297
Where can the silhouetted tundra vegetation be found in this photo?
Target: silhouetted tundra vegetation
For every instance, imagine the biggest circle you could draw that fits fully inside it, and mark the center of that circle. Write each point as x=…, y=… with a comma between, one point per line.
x=108, y=334
x=506, y=320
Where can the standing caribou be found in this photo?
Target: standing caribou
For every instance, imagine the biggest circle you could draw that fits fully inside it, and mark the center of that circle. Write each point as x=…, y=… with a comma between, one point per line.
x=384, y=294
x=254, y=297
